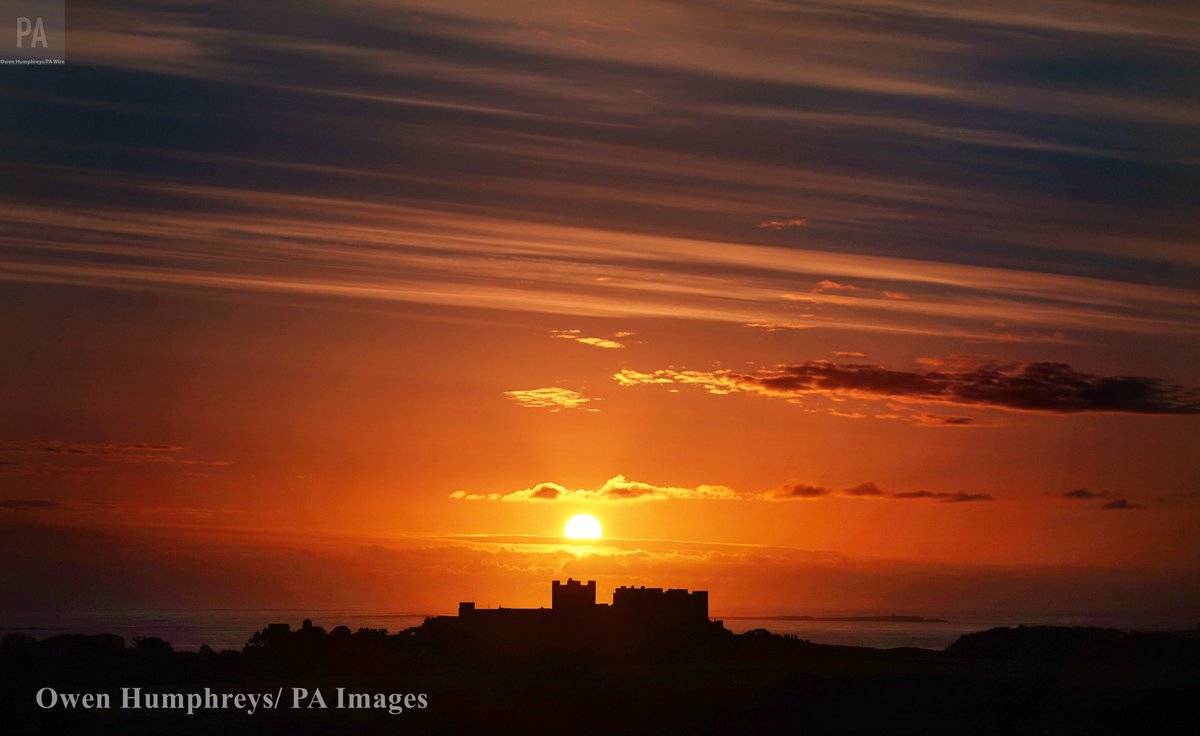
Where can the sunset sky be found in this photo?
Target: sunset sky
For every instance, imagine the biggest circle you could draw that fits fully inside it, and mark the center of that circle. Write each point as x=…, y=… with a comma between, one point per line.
x=824, y=307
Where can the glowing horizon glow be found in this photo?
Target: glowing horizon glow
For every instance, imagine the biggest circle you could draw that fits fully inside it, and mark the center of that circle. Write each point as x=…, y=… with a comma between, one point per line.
x=582, y=526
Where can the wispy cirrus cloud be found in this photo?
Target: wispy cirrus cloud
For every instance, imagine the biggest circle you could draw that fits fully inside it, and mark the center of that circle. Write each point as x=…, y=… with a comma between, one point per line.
x=136, y=450
x=887, y=148
x=829, y=286
x=51, y=455
x=608, y=343
x=359, y=249
x=785, y=224
x=27, y=504
x=1033, y=387
x=554, y=398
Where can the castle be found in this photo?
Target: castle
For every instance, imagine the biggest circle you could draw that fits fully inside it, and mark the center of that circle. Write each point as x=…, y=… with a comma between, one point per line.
x=636, y=616
x=577, y=599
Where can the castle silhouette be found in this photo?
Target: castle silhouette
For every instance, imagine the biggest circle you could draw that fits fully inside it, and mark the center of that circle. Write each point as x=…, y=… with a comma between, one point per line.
x=637, y=616
x=649, y=662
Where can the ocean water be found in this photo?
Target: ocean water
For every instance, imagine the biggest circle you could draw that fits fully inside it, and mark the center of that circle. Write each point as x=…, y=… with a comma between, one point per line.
x=229, y=629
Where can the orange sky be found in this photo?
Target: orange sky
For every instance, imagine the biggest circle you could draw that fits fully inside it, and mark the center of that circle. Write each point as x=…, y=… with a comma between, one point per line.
x=861, y=316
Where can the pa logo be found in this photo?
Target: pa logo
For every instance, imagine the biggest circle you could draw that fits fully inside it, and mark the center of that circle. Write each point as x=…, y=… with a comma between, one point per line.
x=31, y=31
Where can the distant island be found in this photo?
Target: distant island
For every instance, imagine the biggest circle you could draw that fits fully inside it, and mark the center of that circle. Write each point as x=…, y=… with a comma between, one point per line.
x=879, y=619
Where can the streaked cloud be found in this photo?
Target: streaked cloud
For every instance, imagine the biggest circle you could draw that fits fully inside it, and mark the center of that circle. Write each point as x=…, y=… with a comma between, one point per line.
x=1034, y=387
x=795, y=222
x=553, y=398
x=609, y=343
x=887, y=115
x=27, y=504
x=137, y=450
x=43, y=456
x=328, y=247
x=826, y=286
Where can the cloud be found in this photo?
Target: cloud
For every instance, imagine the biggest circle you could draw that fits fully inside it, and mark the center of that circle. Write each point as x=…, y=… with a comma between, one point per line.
x=27, y=504
x=1034, y=387
x=795, y=222
x=600, y=342
x=597, y=342
x=620, y=489
x=521, y=111
x=616, y=489
x=831, y=285
x=849, y=354
x=944, y=497
x=94, y=449
x=1085, y=494
x=936, y=420
x=864, y=489
x=776, y=326
x=1114, y=501
x=826, y=286
x=42, y=456
x=871, y=490
x=262, y=243
x=959, y=363
x=797, y=491
x=553, y=398
x=1121, y=504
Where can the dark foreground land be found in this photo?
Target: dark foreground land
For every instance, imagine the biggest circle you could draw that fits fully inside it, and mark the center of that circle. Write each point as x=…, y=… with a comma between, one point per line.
x=1029, y=680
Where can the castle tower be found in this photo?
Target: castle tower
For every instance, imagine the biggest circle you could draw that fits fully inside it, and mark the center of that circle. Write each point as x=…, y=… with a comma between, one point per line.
x=573, y=596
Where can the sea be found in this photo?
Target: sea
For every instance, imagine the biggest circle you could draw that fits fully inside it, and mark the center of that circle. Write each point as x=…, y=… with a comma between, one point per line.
x=231, y=628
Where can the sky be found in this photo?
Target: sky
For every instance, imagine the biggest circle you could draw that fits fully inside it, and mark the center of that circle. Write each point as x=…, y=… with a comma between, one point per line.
x=824, y=307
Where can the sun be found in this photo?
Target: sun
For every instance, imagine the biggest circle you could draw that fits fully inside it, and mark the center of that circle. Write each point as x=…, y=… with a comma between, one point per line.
x=582, y=526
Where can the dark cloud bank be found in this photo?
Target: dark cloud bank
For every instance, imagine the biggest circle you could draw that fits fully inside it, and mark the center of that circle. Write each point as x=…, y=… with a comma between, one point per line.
x=1040, y=387
x=871, y=490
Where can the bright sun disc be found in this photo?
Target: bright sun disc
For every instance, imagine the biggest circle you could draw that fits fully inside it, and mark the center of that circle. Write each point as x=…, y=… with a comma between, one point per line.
x=582, y=526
